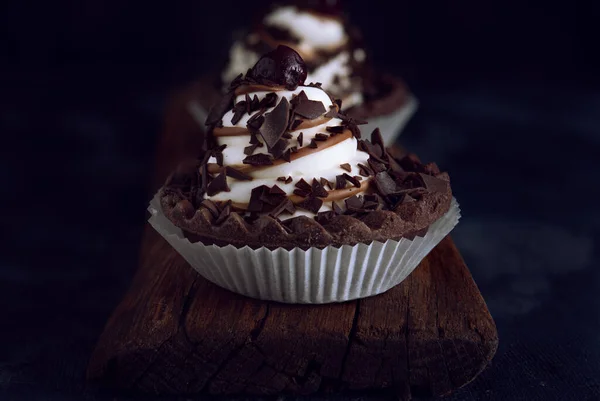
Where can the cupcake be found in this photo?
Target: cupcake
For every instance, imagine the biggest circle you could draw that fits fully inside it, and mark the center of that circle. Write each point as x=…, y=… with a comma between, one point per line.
x=288, y=202
x=335, y=57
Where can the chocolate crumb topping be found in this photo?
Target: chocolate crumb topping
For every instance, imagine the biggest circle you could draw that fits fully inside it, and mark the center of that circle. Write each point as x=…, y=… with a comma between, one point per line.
x=346, y=166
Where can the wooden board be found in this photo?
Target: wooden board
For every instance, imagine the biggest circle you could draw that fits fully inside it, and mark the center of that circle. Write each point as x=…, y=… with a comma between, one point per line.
x=176, y=333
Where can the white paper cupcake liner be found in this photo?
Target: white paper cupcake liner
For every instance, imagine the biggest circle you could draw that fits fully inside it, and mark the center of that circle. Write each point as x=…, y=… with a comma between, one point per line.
x=312, y=276
x=390, y=125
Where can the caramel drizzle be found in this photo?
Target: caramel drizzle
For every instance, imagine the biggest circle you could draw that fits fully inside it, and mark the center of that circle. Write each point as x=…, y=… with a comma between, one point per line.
x=214, y=168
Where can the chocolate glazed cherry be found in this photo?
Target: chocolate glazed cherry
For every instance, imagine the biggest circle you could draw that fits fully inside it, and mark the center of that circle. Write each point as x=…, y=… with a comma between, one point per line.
x=282, y=66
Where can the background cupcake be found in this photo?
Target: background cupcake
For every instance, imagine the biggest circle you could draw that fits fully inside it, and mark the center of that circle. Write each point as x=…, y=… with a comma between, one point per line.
x=335, y=56
x=288, y=202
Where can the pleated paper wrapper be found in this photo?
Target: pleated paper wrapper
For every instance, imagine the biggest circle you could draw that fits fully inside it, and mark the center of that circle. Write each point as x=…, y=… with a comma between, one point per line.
x=312, y=276
x=390, y=125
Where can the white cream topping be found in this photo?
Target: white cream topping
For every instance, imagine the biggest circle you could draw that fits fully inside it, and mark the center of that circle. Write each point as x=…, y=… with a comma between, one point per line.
x=323, y=162
x=314, y=32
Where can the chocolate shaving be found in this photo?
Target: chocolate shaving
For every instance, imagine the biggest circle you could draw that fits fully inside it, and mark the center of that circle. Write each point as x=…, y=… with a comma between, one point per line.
x=300, y=138
x=338, y=129
x=377, y=139
x=256, y=204
x=385, y=184
x=279, y=148
x=286, y=205
x=248, y=150
x=301, y=192
x=219, y=157
x=254, y=104
x=294, y=149
x=365, y=171
x=333, y=112
x=321, y=137
x=324, y=217
x=313, y=144
x=358, y=177
x=275, y=190
x=318, y=189
x=376, y=166
x=260, y=159
x=326, y=182
x=289, y=179
x=248, y=101
x=287, y=156
x=275, y=123
x=268, y=101
x=311, y=204
x=218, y=184
x=282, y=178
x=239, y=109
x=217, y=112
x=302, y=184
x=287, y=135
x=335, y=207
x=346, y=166
x=237, y=174
x=340, y=182
x=307, y=108
x=434, y=184
x=254, y=140
x=352, y=180
x=211, y=206
x=255, y=122
x=354, y=203
x=295, y=125
x=225, y=212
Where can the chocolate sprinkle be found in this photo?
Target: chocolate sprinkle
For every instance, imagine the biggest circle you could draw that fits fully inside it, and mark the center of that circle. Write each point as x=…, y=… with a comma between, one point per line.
x=318, y=190
x=311, y=204
x=321, y=137
x=237, y=174
x=340, y=182
x=275, y=123
x=218, y=184
x=346, y=166
x=313, y=144
x=352, y=180
x=260, y=159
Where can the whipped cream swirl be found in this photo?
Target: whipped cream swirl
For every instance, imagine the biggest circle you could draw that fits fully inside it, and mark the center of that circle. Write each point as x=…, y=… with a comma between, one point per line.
x=335, y=155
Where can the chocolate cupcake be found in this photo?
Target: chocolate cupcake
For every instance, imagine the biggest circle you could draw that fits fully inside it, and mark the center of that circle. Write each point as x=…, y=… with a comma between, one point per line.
x=335, y=57
x=288, y=202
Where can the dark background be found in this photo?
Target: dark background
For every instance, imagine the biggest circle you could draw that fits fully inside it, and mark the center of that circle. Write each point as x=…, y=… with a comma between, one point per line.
x=509, y=105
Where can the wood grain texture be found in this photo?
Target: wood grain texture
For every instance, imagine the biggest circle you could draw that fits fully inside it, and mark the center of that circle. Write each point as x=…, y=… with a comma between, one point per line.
x=176, y=333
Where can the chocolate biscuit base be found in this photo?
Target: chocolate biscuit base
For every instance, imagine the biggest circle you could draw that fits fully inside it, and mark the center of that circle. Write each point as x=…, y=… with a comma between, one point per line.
x=407, y=220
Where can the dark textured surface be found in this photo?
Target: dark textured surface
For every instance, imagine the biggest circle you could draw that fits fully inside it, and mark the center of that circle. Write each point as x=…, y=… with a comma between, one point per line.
x=80, y=110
